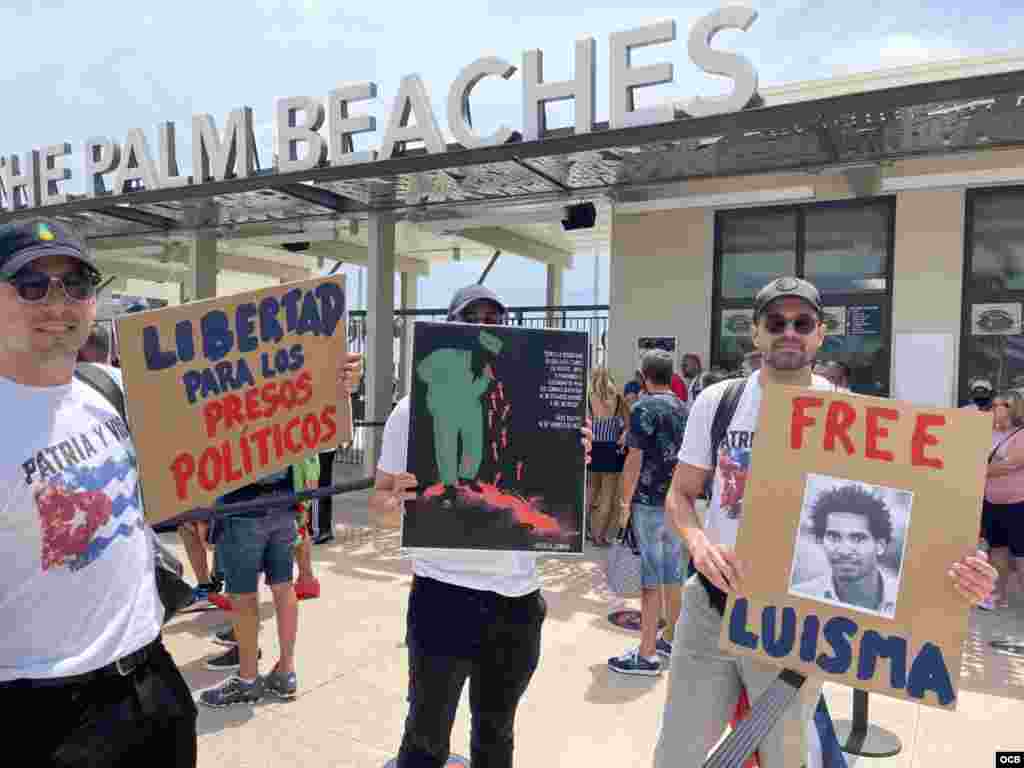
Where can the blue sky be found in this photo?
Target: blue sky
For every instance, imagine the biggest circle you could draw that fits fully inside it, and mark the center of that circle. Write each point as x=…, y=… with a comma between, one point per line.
x=76, y=70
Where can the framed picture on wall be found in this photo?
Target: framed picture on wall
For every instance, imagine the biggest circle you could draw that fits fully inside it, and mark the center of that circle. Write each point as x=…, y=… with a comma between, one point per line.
x=996, y=319
x=737, y=322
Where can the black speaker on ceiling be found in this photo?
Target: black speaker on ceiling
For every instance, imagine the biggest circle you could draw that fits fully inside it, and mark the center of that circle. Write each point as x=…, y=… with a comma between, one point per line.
x=581, y=216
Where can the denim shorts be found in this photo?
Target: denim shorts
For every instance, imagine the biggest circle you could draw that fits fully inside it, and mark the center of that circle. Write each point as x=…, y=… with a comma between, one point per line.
x=249, y=545
x=663, y=557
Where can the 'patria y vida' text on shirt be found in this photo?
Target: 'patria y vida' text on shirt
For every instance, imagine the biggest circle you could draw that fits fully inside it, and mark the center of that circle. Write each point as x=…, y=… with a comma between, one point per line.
x=77, y=587
x=732, y=456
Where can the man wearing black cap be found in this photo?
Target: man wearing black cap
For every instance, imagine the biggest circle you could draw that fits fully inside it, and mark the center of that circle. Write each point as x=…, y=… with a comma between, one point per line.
x=705, y=684
x=474, y=615
x=82, y=665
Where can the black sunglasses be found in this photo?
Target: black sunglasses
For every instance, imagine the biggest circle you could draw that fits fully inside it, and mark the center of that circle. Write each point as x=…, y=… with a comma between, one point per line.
x=33, y=287
x=802, y=324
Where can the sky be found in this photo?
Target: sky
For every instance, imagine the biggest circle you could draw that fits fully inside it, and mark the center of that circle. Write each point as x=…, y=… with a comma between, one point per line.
x=73, y=71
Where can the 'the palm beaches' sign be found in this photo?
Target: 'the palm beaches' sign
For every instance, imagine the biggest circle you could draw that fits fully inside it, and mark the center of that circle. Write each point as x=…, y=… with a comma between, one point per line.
x=37, y=178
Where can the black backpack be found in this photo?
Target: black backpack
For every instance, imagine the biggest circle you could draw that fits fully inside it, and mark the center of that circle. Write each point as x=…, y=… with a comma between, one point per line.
x=175, y=592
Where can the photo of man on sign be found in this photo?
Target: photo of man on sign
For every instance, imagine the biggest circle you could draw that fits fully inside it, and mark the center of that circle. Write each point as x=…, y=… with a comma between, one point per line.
x=851, y=534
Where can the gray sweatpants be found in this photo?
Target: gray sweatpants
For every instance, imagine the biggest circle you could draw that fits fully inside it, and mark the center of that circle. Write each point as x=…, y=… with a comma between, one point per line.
x=705, y=684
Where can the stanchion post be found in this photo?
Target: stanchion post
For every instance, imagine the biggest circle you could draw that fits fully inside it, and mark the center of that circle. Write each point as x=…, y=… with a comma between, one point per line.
x=859, y=737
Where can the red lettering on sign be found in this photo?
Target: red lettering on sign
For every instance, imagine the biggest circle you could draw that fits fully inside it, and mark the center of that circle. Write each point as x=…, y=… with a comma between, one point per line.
x=800, y=420
x=183, y=467
x=837, y=426
x=876, y=431
x=922, y=440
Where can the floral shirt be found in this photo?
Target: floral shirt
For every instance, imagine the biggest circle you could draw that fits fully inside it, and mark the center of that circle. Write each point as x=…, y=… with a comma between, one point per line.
x=656, y=427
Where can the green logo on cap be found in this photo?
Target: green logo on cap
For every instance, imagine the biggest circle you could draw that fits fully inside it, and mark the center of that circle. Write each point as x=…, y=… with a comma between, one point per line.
x=44, y=233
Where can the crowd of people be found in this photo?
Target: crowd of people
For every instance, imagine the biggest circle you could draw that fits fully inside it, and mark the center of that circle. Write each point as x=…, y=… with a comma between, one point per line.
x=86, y=657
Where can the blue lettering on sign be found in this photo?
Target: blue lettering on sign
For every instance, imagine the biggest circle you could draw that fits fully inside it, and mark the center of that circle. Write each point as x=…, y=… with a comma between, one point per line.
x=332, y=306
x=835, y=632
x=317, y=312
x=809, y=639
x=297, y=356
x=929, y=673
x=217, y=337
x=245, y=328
x=780, y=646
x=270, y=326
x=872, y=647
x=738, y=632
x=928, y=670
x=157, y=359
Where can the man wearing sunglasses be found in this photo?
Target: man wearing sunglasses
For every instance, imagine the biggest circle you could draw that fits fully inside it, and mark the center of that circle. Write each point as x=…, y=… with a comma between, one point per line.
x=82, y=664
x=472, y=615
x=704, y=683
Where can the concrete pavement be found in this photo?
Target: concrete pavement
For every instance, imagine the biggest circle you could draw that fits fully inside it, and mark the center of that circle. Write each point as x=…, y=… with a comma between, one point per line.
x=351, y=664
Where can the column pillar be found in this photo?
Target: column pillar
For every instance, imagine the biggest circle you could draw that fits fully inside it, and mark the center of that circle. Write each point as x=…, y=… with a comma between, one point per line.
x=380, y=325
x=409, y=300
x=554, y=294
x=201, y=282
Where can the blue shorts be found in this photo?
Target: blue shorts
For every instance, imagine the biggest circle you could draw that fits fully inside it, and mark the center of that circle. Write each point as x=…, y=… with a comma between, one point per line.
x=663, y=557
x=248, y=545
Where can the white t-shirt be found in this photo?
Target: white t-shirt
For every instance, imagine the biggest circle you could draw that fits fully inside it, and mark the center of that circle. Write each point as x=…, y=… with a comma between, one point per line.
x=511, y=574
x=733, y=462
x=77, y=585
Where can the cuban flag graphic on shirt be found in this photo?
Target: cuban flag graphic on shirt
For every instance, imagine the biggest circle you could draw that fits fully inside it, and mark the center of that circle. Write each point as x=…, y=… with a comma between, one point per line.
x=83, y=510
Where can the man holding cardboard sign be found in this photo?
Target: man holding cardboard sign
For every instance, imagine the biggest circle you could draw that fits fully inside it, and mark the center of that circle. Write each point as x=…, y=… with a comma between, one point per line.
x=705, y=683
x=82, y=665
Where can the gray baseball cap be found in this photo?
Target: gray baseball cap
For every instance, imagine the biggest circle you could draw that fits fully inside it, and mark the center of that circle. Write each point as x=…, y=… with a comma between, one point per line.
x=466, y=296
x=787, y=286
x=23, y=242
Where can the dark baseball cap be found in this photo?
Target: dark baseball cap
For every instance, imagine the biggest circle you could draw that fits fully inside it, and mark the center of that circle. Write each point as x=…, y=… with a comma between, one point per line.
x=23, y=242
x=466, y=296
x=787, y=286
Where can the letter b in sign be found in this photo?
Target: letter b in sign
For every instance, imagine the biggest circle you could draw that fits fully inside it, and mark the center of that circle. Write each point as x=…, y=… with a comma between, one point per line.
x=217, y=337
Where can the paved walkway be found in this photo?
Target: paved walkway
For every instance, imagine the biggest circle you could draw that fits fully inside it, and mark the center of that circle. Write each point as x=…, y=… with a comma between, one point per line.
x=352, y=677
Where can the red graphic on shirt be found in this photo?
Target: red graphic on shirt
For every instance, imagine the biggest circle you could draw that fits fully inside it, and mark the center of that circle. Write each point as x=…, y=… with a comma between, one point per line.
x=524, y=510
x=734, y=483
x=69, y=521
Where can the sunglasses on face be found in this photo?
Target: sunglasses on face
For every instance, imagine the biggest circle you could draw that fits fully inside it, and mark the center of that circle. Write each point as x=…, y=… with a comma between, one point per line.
x=34, y=287
x=802, y=324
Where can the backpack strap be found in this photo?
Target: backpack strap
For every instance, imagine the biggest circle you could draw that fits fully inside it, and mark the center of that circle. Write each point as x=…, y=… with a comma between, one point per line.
x=719, y=426
x=723, y=416
x=103, y=383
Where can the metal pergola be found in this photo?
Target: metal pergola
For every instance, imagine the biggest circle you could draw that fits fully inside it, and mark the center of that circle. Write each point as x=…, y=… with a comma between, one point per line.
x=640, y=163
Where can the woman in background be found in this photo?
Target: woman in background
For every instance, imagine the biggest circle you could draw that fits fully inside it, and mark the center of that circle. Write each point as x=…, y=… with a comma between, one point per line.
x=609, y=412
x=1002, y=516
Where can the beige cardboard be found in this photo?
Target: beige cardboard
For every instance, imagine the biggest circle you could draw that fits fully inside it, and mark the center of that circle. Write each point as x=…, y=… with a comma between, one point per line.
x=191, y=453
x=944, y=521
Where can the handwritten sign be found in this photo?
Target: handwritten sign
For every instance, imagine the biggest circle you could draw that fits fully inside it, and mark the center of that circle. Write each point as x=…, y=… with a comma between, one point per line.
x=224, y=391
x=855, y=509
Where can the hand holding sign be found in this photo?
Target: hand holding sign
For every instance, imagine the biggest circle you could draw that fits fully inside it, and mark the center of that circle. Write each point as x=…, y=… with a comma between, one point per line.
x=720, y=565
x=973, y=577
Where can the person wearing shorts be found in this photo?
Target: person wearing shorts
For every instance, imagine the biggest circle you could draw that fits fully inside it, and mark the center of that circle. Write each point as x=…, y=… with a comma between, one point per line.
x=1002, y=514
x=251, y=543
x=656, y=428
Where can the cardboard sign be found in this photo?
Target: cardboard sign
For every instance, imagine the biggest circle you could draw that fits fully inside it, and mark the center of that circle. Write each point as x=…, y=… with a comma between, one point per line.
x=494, y=439
x=855, y=509
x=225, y=391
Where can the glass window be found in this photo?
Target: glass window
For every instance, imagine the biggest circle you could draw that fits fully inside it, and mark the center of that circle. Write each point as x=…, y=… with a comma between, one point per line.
x=997, y=247
x=847, y=248
x=755, y=248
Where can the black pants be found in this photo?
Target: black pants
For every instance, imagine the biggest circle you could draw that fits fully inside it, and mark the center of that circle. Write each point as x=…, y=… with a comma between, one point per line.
x=455, y=633
x=325, y=516
x=147, y=718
